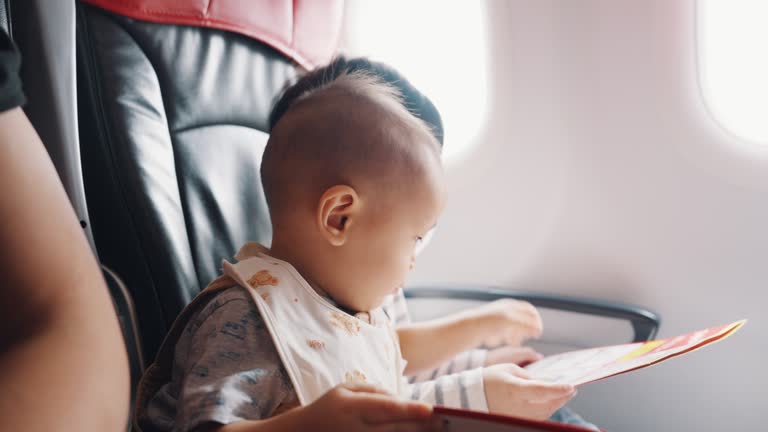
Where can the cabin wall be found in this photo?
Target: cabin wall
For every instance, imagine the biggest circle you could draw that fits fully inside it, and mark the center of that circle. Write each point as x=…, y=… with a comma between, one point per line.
x=600, y=173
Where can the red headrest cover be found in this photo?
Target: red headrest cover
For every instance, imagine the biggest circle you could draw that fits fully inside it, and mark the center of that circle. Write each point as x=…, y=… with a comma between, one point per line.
x=307, y=31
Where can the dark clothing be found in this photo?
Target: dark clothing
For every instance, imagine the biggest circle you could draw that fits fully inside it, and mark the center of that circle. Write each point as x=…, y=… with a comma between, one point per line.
x=11, y=94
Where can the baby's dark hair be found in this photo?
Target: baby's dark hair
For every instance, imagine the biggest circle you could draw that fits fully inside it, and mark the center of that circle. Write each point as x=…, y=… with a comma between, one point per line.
x=414, y=101
x=347, y=123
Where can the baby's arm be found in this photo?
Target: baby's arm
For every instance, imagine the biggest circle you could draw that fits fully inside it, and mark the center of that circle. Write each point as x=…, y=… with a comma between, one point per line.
x=504, y=389
x=465, y=361
x=428, y=344
x=458, y=390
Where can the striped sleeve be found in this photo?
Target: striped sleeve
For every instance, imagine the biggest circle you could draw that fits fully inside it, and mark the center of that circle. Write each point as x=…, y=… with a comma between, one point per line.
x=396, y=308
x=463, y=390
x=465, y=361
x=457, y=383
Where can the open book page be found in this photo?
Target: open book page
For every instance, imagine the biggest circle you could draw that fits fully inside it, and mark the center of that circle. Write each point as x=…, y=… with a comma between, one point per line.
x=455, y=420
x=584, y=366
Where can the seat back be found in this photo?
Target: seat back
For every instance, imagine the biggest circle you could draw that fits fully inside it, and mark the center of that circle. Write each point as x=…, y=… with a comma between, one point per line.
x=5, y=22
x=173, y=122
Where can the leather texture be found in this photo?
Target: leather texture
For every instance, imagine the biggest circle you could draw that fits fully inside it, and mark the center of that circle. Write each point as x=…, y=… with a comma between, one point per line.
x=126, y=316
x=173, y=123
x=5, y=16
x=304, y=30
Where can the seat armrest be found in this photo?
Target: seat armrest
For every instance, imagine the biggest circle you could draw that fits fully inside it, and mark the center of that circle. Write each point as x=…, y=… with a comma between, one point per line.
x=126, y=314
x=645, y=323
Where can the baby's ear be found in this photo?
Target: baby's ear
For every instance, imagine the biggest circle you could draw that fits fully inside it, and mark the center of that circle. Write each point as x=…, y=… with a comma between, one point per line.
x=337, y=210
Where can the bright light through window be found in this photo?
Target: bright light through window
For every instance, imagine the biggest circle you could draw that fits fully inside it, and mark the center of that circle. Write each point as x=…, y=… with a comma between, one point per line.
x=439, y=45
x=733, y=52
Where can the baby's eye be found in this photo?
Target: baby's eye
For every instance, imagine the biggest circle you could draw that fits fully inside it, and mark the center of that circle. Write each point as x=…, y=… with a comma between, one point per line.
x=422, y=241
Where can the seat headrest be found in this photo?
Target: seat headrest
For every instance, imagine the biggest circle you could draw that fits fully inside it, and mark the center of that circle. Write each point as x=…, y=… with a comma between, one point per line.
x=307, y=31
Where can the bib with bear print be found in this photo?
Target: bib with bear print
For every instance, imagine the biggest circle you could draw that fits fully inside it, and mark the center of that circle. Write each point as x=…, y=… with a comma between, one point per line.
x=320, y=345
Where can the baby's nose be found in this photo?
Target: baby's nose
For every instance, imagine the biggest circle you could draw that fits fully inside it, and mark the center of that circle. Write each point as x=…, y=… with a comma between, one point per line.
x=413, y=263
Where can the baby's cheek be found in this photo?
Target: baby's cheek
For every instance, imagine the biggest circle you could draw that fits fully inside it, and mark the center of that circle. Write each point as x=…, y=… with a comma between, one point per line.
x=404, y=267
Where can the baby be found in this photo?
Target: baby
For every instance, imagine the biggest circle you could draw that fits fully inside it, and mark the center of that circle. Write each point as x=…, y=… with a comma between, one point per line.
x=354, y=183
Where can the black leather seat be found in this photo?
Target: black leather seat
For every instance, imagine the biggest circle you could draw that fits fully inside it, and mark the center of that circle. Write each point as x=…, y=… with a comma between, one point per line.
x=173, y=123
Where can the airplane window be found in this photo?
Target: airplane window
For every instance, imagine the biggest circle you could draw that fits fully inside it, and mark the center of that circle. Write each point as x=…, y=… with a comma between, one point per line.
x=440, y=46
x=733, y=66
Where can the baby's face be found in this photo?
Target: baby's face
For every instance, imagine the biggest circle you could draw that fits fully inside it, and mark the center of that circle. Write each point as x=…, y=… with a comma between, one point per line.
x=382, y=244
x=371, y=177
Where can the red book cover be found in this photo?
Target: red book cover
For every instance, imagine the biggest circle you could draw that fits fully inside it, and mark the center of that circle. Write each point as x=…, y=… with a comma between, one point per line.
x=456, y=420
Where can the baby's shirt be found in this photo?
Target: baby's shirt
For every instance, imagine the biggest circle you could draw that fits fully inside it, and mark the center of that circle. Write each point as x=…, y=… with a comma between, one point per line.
x=226, y=368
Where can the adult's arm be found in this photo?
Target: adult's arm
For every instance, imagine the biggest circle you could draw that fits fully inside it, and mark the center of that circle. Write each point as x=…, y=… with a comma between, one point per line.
x=62, y=360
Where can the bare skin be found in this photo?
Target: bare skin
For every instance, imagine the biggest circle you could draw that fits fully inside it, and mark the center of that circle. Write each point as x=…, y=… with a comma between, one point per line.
x=506, y=323
x=62, y=358
x=353, y=224
x=510, y=391
x=354, y=407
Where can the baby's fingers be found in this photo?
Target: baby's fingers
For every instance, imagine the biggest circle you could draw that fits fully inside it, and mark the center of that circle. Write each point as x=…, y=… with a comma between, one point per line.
x=360, y=387
x=376, y=406
x=525, y=356
x=514, y=370
x=547, y=408
x=542, y=392
x=380, y=409
x=534, y=323
x=527, y=317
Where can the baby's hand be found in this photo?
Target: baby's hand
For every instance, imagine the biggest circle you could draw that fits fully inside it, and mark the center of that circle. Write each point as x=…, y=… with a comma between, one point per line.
x=509, y=322
x=509, y=390
x=362, y=407
x=520, y=356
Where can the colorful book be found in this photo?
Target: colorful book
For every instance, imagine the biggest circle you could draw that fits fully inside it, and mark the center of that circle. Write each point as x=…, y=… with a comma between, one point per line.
x=582, y=367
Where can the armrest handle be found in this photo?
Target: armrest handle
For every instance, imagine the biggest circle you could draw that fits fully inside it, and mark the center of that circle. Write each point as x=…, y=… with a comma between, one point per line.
x=645, y=323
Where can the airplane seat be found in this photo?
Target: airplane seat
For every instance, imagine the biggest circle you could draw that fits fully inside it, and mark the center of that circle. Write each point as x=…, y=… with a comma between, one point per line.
x=4, y=19
x=128, y=320
x=173, y=113
x=173, y=106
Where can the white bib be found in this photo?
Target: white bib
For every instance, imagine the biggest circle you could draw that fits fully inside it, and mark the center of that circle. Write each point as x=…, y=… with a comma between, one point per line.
x=320, y=345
